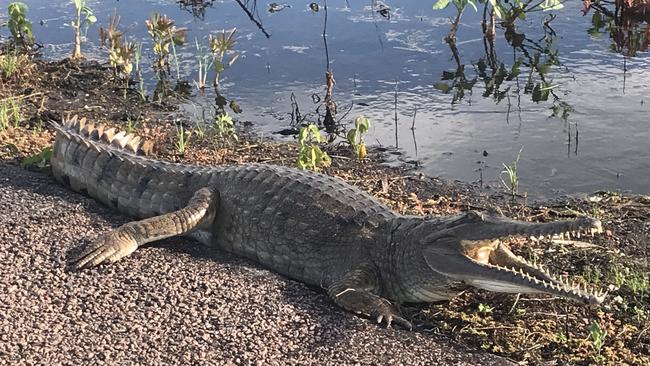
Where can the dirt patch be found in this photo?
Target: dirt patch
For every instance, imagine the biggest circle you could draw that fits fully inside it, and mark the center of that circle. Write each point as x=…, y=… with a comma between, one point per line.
x=531, y=329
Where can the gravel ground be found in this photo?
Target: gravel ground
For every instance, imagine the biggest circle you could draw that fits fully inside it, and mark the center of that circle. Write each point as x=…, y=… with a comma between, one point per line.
x=172, y=303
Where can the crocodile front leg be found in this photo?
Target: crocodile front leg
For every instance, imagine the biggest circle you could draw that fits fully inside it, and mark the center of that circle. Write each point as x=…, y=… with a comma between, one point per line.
x=119, y=243
x=355, y=292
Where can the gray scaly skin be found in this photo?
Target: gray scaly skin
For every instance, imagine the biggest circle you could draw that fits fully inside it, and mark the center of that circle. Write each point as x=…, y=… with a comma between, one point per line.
x=307, y=226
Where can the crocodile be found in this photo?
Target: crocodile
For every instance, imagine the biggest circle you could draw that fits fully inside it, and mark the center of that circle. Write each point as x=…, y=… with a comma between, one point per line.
x=307, y=226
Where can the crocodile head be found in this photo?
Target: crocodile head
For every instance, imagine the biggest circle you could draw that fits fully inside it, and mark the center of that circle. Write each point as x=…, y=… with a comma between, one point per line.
x=471, y=249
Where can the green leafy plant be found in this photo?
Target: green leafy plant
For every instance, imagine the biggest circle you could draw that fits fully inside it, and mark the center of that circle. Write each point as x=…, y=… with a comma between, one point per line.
x=512, y=174
x=224, y=125
x=597, y=336
x=120, y=52
x=40, y=161
x=310, y=155
x=19, y=26
x=355, y=136
x=165, y=36
x=79, y=24
x=221, y=45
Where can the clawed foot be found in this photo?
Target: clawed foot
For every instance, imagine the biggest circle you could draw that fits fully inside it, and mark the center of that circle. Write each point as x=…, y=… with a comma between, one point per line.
x=108, y=248
x=391, y=318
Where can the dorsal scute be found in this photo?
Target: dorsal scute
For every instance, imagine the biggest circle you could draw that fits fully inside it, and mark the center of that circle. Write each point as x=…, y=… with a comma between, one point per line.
x=93, y=135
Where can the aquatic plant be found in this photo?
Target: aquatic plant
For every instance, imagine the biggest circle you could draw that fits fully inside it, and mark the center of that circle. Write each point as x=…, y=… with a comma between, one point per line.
x=19, y=26
x=120, y=52
x=506, y=10
x=310, y=155
x=626, y=24
x=165, y=36
x=81, y=10
x=204, y=61
x=221, y=45
x=355, y=136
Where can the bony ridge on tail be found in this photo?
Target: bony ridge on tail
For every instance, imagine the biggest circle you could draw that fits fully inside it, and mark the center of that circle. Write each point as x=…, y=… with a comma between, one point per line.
x=307, y=226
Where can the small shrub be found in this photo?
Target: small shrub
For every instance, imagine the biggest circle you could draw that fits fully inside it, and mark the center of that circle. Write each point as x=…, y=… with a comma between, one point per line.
x=310, y=156
x=221, y=45
x=19, y=26
x=165, y=35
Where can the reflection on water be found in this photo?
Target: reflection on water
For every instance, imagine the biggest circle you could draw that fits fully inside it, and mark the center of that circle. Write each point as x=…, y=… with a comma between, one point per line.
x=553, y=86
x=627, y=25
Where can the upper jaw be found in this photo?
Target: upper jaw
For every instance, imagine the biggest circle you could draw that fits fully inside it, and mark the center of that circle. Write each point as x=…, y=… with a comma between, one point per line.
x=503, y=227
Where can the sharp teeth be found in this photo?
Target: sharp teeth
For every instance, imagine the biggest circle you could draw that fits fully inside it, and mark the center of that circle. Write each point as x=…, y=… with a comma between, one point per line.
x=562, y=236
x=533, y=238
x=578, y=234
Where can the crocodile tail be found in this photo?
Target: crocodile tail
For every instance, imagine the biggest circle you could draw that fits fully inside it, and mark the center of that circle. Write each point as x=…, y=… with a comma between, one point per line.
x=89, y=134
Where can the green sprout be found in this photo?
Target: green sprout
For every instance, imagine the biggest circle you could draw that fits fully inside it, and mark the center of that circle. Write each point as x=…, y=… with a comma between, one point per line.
x=355, y=136
x=224, y=125
x=512, y=174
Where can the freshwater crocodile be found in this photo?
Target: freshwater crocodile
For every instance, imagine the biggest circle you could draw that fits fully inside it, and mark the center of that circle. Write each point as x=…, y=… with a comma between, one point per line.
x=307, y=226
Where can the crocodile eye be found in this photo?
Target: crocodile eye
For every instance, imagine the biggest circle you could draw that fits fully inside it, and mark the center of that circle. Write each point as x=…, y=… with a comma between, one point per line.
x=475, y=215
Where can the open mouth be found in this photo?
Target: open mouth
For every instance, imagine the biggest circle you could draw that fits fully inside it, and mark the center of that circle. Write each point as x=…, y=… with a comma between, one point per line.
x=503, y=271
